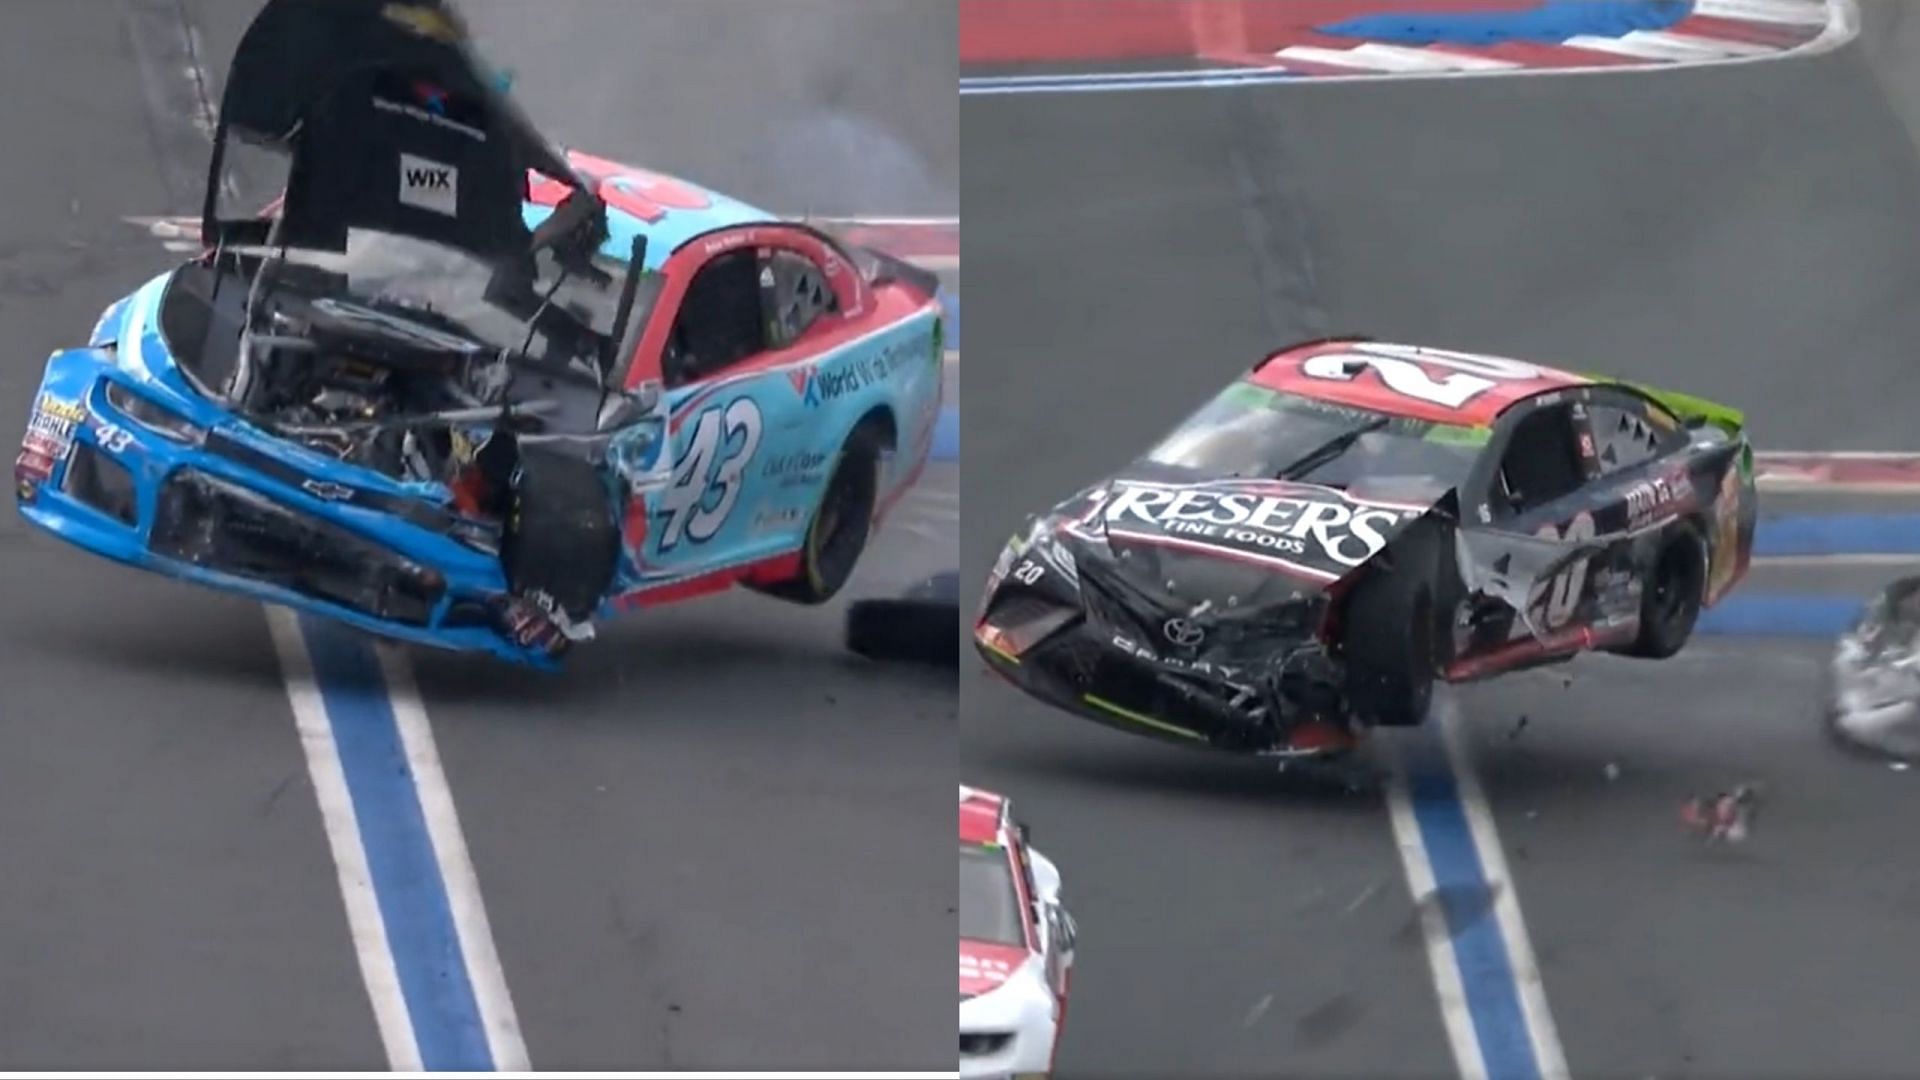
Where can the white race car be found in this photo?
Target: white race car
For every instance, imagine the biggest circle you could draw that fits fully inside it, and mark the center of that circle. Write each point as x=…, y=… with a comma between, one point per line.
x=1016, y=946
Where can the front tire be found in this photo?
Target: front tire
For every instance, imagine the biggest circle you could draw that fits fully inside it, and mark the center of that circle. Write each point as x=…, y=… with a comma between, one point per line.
x=1389, y=631
x=837, y=536
x=560, y=538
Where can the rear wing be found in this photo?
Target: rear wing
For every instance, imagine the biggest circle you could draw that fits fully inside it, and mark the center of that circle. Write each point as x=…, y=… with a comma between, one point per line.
x=1694, y=411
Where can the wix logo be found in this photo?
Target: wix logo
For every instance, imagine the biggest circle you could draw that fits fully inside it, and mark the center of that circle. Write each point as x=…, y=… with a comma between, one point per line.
x=429, y=185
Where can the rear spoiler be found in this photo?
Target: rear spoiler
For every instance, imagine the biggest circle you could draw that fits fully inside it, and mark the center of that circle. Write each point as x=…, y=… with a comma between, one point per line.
x=1694, y=411
x=882, y=268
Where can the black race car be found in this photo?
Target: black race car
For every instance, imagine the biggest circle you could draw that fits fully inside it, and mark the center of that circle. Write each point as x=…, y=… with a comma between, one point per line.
x=1351, y=521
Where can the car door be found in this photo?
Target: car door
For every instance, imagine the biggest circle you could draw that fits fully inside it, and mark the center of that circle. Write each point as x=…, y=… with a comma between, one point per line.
x=1530, y=579
x=747, y=467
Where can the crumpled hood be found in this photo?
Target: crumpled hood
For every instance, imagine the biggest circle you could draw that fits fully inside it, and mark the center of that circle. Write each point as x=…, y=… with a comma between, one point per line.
x=985, y=967
x=1230, y=543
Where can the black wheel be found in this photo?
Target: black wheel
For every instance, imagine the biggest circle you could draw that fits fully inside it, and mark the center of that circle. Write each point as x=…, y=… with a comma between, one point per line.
x=1670, y=602
x=919, y=631
x=1389, y=630
x=561, y=537
x=841, y=525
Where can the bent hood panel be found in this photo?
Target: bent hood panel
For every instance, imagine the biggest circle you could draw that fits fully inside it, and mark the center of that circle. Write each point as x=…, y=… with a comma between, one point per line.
x=392, y=124
x=1226, y=538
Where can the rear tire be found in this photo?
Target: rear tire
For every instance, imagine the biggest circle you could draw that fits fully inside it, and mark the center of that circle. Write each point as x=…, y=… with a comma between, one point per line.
x=1671, y=602
x=841, y=526
x=1389, y=631
x=913, y=630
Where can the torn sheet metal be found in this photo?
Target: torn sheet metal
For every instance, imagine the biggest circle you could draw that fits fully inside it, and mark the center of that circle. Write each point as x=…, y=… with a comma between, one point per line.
x=1516, y=568
x=1874, y=699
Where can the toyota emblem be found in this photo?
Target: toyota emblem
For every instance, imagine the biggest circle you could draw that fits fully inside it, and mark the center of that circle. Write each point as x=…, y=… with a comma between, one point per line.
x=1183, y=633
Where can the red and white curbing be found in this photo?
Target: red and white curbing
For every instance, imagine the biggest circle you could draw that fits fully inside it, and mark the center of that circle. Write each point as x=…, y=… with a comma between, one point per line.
x=1839, y=471
x=1715, y=32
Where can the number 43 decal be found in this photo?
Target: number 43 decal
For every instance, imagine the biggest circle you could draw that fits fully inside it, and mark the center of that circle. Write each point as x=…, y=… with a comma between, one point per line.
x=707, y=479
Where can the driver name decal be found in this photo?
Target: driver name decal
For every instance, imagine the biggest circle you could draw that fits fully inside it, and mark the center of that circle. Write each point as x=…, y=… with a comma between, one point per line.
x=1294, y=524
x=429, y=185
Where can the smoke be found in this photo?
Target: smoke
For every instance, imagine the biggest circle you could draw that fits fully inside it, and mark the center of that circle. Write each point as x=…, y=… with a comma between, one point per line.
x=821, y=106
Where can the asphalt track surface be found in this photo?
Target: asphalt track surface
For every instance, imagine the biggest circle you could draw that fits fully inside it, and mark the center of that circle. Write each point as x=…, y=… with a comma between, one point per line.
x=1746, y=233
x=692, y=845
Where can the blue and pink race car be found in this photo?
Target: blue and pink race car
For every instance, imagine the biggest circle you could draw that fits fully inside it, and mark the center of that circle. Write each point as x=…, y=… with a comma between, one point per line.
x=459, y=387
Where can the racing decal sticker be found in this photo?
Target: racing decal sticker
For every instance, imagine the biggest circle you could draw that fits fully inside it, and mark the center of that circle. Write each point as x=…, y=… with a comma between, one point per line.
x=709, y=475
x=113, y=438
x=777, y=519
x=1652, y=500
x=802, y=468
x=429, y=185
x=1555, y=600
x=1303, y=527
x=1725, y=568
x=48, y=441
x=1433, y=376
x=822, y=383
x=326, y=489
x=982, y=968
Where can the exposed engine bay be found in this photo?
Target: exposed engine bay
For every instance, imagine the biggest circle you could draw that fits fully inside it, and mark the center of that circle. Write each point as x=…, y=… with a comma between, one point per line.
x=378, y=385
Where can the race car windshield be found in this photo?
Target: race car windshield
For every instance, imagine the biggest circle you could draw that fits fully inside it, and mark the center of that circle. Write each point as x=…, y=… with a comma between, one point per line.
x=989, y=904
x=392, y=269
x=1250, y=432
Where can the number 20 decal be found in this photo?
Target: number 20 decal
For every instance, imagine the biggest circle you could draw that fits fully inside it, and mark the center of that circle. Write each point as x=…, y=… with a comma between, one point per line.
x=1405, y=371
x=1562, y=594
x=707, y=480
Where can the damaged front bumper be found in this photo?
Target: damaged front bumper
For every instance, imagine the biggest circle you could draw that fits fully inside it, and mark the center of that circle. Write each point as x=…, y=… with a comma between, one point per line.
x=1073, y=661
x=179, y=503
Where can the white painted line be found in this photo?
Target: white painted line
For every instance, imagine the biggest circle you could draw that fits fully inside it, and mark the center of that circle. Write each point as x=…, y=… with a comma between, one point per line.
x=364, y=922
x=1455, y=1016
x=1313, y=54
x=1787, y=12
x=1836, y=487
x=1399, y=58
x=1820, y=561
x=1548, y=1053
x=1677, y=41
x=1446, y=835
x=1657, y=45
x=484, y=970
x=1765, y=457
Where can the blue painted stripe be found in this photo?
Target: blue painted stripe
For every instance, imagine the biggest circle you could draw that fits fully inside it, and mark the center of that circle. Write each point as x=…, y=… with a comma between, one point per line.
x=1781, y=615
x=1839, y=534
x=1466, y=899
x=393, y=830
x=1553, y=22
x=946, y=435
